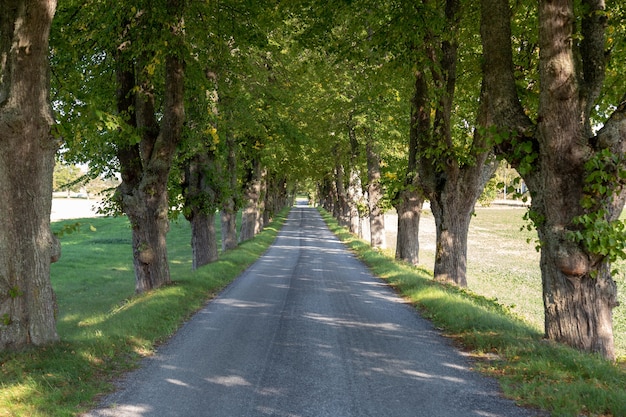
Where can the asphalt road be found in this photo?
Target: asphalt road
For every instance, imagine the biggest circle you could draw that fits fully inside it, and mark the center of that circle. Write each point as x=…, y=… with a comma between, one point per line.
x=307, y=332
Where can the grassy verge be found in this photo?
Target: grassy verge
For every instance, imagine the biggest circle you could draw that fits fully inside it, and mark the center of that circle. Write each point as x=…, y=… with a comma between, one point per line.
x=531, y=371
x=104, y=328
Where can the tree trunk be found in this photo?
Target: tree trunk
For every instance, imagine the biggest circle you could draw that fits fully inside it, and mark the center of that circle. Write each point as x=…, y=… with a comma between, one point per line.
x=578, y=300
x=149, y=227
x=27, y=246
x=228, y=214
x=377, y=217
x=203, y=239
x=409, y=209
x=342, y=196
x=200, y=205
x=228, y=219
x=145, y=166
x=251, y=198
x=260, y=221
x=452, y=214
x=355, y=197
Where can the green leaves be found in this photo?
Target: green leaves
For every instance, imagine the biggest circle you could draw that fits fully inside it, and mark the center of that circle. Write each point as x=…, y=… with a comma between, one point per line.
x=598, y=229
x=600, y=236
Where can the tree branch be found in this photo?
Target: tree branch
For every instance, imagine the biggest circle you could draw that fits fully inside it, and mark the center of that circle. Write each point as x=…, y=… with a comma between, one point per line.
x=592, y=50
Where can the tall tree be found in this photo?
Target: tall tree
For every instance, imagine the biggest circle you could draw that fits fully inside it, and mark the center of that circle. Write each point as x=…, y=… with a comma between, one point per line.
x=453, y=165
x=410, y=198
x=575, y=174
x=145, y=165
x=27, y=154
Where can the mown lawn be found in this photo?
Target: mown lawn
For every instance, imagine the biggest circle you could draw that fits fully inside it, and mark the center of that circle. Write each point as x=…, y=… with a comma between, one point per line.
x=503, y=264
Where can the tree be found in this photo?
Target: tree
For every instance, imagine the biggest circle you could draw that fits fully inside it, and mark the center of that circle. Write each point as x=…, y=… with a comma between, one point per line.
x=27, y=245
x=410, y=197
x=66, y=177
x=575, y=172
x=145, y=164
x=454, y=164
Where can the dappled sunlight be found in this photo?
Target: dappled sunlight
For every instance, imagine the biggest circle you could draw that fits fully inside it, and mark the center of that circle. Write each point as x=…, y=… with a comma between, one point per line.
x=333, y=321
x=423, y=375
x=231, y=302
x=126, y=410
x=177, y=382
x=229, y=381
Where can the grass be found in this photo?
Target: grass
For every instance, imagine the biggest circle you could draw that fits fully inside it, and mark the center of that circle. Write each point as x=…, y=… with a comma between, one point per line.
x=503, y=265
x=104, y=328
x=532, y=371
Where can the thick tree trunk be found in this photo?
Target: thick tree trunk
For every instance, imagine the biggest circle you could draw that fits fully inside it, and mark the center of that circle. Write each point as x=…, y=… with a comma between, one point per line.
x=228, y=219
x=27, y=150
x=203, y=239
x=150, y=227
x=411, y=198
x=261, y=209
x=409, y=209
x=452, y=214
x=355, y=197
x=578, y=300
x=200, y=206
x=375, y=194
x=275, y=196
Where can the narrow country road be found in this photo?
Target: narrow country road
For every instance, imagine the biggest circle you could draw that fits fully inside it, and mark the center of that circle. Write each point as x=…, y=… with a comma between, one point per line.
x=307, y=332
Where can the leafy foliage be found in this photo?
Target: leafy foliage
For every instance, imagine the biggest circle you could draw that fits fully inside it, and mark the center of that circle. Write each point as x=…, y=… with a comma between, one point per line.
x=599, y=230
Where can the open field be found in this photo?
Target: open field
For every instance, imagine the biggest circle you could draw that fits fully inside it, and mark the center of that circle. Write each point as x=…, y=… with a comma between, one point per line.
x=503, y=265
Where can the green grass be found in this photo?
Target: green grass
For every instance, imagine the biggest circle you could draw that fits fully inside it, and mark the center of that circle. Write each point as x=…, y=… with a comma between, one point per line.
x=503, y=265
x=532, y=371
x=104, y=328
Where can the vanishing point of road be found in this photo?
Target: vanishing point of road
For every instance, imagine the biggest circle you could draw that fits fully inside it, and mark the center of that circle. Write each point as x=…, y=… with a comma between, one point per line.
x=307, y=332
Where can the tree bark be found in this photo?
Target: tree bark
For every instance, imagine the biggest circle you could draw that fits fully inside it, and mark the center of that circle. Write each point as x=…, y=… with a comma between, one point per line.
x=27, y=151
x=261, y=208
x=203, y=239
x=452, y=213
x=342, y=196
x=374, y=189
x=251, y=198
x=409, y=209
x=578, y=290
x=228, y=214
x=200, y=205
x=145, y=166
x=355, y=197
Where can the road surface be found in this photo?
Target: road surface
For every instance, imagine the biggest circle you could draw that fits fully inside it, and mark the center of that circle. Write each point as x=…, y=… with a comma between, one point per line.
x=307, y=332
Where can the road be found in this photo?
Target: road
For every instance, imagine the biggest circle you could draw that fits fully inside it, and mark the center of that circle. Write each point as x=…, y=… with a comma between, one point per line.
x=307, y=332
